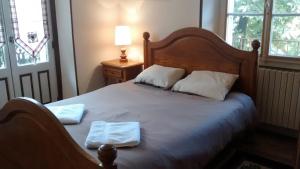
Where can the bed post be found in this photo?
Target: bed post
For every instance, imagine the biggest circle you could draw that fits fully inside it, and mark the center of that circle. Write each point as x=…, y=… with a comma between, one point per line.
x=146, y=36
x=255, y=46
x=107, y=155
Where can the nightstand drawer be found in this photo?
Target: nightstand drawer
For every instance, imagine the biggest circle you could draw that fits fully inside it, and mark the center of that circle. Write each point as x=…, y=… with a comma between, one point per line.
x=112, y=72
x=115, y=71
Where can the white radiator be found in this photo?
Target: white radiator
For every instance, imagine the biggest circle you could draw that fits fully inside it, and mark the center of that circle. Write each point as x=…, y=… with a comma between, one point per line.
x=278, y=97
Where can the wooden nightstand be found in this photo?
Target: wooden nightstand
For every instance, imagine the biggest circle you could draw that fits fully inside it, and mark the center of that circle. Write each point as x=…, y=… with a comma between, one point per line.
x=115, y=71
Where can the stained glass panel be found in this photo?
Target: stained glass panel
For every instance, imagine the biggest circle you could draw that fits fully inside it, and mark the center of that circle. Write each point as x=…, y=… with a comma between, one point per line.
x=2, y=57
x=1, y=33
x=24, y=58
x=31, y=30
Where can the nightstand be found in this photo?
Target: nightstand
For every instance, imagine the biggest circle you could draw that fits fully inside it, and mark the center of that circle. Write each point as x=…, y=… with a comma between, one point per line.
x=115, y=71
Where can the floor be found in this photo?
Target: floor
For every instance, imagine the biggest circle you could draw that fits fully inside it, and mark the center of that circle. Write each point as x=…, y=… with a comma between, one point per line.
x=267, y=149
x=242, y=160
x=278, y=148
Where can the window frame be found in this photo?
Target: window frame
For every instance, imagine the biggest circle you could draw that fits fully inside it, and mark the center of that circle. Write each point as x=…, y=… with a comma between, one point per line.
x=265, y=57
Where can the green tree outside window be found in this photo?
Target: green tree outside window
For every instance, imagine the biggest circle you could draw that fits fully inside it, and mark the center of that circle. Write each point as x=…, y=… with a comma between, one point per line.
x=246, y=19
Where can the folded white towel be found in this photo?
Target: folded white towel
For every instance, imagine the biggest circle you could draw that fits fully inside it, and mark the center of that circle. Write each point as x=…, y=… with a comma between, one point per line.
x=68, y=114
x=122, y=134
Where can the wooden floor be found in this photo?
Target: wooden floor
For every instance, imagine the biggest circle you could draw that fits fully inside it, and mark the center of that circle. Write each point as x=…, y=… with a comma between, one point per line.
x=271, y=146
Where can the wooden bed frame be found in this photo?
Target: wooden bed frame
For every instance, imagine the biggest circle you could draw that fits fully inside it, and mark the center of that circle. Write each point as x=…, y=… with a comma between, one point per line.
x=198, y=49
x=32, y=138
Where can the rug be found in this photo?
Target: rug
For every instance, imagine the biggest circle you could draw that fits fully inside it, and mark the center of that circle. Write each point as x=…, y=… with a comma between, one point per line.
x=251, y=165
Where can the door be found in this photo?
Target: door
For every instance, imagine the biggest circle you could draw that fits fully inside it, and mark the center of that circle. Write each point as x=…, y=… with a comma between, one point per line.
x=30, y=54
x=6, y=82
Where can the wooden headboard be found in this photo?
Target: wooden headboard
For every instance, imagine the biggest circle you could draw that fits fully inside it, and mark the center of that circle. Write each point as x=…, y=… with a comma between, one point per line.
x=198, y=49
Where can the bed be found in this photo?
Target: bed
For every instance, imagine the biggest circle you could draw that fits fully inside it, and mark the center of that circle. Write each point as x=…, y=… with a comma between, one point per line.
x=177, y=130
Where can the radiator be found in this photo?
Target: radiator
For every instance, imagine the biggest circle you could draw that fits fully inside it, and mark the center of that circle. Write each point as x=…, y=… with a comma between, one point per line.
x=278, y=97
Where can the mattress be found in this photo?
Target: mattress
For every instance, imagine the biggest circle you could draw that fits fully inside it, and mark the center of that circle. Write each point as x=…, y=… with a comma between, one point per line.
x=177, y=130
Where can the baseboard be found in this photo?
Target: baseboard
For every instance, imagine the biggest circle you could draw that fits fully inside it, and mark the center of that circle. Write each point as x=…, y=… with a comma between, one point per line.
x=278, y=130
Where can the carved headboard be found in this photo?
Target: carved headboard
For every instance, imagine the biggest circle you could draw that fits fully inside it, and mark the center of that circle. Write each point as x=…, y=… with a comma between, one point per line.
x=198, y=49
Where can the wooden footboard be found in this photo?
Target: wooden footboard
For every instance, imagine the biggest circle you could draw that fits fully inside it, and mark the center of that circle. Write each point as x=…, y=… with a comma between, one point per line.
x=32, y=138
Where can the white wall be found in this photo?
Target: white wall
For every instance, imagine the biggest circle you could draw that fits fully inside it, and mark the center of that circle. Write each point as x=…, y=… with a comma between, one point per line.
x=214, y=15
x=64, y=27
x=94, y=22
x=93, y=25
x=159, y=18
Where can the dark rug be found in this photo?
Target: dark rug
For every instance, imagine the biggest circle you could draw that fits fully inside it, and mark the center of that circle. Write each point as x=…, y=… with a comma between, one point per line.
x=251, y=165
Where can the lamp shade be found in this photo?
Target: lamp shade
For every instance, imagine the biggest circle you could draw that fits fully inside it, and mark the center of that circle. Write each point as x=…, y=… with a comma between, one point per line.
x=122, y=35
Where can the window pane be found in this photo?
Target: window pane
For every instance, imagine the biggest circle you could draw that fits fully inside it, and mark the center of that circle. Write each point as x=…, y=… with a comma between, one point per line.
x=242, y=30
x=2, y=58
x=31, y=31
x=285, y=36
x=1, y=33
x=24, y=58
x=246, y=6
x=286, y=6
x=244, y=22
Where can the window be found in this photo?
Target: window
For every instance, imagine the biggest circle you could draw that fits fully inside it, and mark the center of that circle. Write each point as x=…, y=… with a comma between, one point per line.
x=285, y=28
x=244, y=22
x=2, y=57
x=276, y=23
x=31, y=32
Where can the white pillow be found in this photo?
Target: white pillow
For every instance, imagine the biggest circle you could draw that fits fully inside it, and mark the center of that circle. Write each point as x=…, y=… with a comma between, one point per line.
x=206, y=83
x=160, y=76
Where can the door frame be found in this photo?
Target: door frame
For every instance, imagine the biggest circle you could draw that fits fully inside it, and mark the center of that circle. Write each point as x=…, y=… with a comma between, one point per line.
x=55, y=46
x=73, y=41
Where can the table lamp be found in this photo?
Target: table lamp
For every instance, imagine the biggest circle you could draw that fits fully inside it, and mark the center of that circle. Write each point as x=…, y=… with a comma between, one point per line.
x=123, y=39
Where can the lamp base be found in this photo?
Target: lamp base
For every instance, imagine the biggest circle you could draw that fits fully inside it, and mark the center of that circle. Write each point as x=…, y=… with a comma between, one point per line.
x=123, y=56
